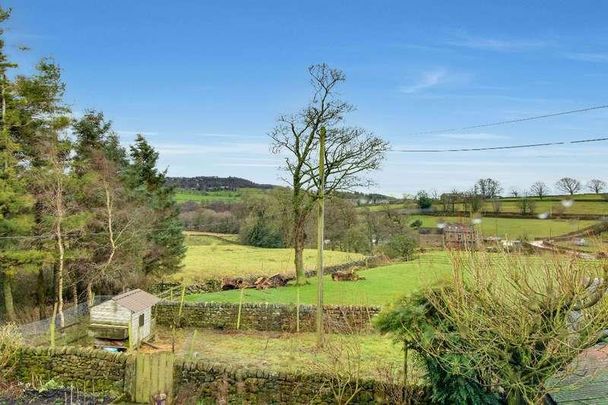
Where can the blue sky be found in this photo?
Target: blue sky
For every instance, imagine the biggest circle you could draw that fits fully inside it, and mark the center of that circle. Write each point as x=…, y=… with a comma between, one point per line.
x=205, y=80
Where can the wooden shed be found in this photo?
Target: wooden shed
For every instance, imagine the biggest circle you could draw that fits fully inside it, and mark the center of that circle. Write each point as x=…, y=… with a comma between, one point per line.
x=125, y=320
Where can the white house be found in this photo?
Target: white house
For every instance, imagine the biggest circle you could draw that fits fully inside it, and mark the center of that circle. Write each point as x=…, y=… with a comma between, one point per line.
x=126, y=317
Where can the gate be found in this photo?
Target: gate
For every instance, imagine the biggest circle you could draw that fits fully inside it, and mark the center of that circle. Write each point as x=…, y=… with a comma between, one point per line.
x=153, y=375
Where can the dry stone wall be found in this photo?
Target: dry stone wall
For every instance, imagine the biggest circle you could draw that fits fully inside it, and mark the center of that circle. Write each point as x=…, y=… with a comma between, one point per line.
x=265, y=317
x=100, y=372
x=196, y=381
x=85, y=369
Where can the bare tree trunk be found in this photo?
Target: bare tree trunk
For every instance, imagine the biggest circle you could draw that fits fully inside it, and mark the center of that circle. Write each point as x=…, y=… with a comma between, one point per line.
x=299, y=239
x=75, y=293
x=320, y=239
x=41, y=293
x=60, y=247
x=7, y=289
x=90, y=297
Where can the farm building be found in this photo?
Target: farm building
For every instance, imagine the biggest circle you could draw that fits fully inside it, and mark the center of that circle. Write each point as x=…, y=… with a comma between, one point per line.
x=125, y=320
x=460, y=235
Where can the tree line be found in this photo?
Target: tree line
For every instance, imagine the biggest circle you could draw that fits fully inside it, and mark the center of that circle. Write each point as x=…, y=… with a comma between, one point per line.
x=80, y=213
x=491, y=190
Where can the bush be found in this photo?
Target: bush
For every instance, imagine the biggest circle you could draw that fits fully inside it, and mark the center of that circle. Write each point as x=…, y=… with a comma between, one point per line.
x=416, y=224
x=423, y=200
x=260, y=234
x=10, y=341
x=400, y=247
x=502, y=326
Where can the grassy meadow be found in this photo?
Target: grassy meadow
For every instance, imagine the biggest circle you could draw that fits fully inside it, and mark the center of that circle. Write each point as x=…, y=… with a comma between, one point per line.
x=589, y=204
x=216, y=256
x=225, y=196
x=283, y=352
x=513, y=228
x=381, y=285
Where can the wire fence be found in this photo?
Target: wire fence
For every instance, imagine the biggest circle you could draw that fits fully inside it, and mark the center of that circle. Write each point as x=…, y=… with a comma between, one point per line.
x=72, y=316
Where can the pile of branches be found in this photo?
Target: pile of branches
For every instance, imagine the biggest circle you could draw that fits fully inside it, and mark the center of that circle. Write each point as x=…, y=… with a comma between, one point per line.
x=260, y=283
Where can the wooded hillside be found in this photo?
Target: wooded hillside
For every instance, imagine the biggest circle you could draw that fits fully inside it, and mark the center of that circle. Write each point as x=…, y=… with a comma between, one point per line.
x=215, y=183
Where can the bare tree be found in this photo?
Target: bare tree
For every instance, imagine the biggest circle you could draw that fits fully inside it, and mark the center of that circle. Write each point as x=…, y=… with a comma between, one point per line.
x=350, y=152
x=596, y=185
x=488, y=188
x=514, y=192
x=568, y=185
x=539, y=189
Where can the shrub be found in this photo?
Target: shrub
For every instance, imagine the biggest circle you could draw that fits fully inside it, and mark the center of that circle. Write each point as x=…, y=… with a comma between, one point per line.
x=10, y=341
x=423, y=200
x=416, y=224
x=400, y=247
x=502, y=326
x=260, y=233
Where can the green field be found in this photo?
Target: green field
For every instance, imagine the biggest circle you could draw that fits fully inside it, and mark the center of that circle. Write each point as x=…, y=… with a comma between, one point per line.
x=382, y=285
x=182, y=195
x=286, y=352
x=207, y=196
x=207, y=259
x=588, y=204
x=193, y=238
x=513, y=228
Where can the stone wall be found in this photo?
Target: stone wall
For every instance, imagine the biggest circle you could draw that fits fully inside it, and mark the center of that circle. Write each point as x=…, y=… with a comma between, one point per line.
x=215, y=284
x=85, y=369
x=196, y=381
x=264, y=317
x=96, y=371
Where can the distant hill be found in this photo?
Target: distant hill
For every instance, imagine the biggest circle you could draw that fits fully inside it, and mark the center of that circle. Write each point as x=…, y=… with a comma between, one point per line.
x=215, y=183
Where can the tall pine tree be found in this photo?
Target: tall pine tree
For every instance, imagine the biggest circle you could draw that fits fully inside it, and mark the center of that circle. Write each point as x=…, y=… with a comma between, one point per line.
x=165, y=233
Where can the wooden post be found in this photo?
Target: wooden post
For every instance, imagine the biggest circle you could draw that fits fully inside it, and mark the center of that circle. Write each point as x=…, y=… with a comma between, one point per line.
x=298, y=309
x=238, y=317
x=320, y=237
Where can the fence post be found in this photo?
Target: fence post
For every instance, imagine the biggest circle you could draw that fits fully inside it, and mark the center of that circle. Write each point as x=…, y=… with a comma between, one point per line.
x=238, y=317
x=52, y=326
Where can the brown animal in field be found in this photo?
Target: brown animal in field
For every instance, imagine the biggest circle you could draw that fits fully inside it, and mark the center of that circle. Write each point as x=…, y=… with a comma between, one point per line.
x=346, y=275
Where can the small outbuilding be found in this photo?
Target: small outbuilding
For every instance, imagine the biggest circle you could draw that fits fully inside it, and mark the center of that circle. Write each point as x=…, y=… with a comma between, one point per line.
x=460, y=236
x=123, y=321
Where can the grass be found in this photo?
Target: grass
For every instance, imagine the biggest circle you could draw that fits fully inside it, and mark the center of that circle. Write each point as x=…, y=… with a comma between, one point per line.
x=382, y=285
x=590, y=204
x=194, y=238
x=281, y=352
x=513, y=228
x=206, y=259
x=183, y=195
x=596, y=244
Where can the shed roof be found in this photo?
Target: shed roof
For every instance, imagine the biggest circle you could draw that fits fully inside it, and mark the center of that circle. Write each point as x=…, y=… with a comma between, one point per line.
x=136, y=300
x=586, y=381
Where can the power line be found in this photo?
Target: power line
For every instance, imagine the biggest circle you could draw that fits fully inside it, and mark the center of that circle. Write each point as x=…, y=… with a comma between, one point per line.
x=492, y=124
x=530, y=145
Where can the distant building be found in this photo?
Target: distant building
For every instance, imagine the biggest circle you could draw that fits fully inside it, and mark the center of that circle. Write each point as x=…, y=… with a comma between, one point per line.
x=124, y=321
x=460, y=236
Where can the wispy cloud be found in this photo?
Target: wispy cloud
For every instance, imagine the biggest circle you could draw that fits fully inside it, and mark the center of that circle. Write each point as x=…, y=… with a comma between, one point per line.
x=473, y=136
x=498, y=45
x=588, y=56
x=133, y=133
x=428, y=79
x=248, y=149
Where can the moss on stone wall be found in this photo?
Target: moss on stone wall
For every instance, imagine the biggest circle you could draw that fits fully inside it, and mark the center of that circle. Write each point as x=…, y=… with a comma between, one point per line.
x=264, y=317
x=86, y=369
